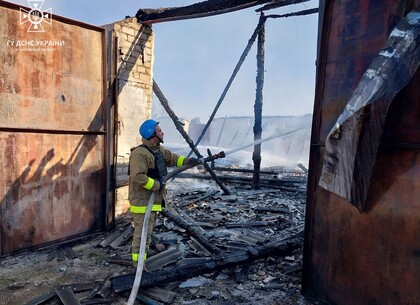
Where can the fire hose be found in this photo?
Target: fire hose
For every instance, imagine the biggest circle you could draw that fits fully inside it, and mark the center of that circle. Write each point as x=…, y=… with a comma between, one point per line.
x=142, y=251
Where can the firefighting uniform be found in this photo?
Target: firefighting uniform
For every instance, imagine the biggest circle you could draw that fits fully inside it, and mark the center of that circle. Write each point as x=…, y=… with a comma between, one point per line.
x=146, y=166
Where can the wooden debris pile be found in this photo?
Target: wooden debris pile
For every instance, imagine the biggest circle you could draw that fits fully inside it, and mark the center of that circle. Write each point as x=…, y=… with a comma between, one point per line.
x=206, y=246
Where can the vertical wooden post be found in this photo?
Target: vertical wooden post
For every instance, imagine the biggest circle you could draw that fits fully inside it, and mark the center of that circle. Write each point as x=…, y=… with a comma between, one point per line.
x=256, y=157
x=232, y=77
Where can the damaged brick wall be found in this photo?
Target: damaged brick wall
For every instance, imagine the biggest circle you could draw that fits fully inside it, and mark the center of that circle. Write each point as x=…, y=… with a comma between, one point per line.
x=130, y=61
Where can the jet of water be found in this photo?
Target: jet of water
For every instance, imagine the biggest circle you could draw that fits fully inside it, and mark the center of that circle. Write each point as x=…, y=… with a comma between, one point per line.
x=261, y=141
x=223, y=154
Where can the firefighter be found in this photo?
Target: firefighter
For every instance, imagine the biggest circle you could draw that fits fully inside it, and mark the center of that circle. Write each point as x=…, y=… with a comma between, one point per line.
x=147, y=169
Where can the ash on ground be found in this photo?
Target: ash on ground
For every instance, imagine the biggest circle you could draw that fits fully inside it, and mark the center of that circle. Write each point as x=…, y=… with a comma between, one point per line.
x=248, y=227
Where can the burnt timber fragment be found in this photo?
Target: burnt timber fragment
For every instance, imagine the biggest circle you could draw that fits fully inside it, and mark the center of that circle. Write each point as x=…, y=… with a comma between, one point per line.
x=146, y=300
x=101, y=289
x=281, y=209
x=352, y=144
x=196, y=200
x=205, y=9
x=300, y=13
x=284, y=184
x=231, y=79
x=66, y=296
x=175, y=119
x=197, y=267
x=256, y=156
x=303, y=168
x=199, y=248
x=277, y=4
x=194, y=231
x=247, y=224
x=242, y=170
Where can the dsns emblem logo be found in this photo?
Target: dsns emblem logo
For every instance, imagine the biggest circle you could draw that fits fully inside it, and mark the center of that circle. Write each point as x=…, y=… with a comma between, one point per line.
x=36, y=16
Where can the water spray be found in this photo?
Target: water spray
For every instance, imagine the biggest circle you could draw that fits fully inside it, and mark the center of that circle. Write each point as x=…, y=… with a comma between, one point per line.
x=261, y=141
x=142, y=250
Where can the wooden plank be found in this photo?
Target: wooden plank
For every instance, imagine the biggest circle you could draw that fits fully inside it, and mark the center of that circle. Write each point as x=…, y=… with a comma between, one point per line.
x=194, y=268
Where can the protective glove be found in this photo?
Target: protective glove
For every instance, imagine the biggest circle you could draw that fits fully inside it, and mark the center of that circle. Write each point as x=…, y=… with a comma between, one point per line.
x=194, y=161
x=161, y=184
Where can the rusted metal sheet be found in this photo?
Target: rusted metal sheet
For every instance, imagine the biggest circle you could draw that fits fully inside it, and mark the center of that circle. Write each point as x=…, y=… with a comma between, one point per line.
x=52, y=187
x=352, y=145
x=370, y=257
x=52, y=118
x=49, y=78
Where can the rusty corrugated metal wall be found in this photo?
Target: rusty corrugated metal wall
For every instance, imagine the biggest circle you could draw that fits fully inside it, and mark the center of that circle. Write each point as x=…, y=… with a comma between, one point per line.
x=371, y=257
x=52, y=135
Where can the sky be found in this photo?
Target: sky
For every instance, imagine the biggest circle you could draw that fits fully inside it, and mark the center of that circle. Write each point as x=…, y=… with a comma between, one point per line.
x=195, y=58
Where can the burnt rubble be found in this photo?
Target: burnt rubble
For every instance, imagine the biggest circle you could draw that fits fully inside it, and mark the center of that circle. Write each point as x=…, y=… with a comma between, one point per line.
x=207, y=248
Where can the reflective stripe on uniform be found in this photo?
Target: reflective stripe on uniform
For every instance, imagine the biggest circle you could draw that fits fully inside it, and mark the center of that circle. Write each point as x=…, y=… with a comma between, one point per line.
x=157, y=207
x=149, y=184
x=135, y=257
x=180, y=161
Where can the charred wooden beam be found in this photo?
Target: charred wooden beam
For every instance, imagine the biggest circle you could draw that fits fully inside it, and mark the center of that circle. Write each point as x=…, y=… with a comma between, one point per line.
x=274, y=181
x=282, y=209
x=195, y=231
x=243, y=170
x=209, y=154
x=232, y=77
x=198, y=247
x=248, y=224
x=204, y=9
x=303, y=168
x=352, y=145
x=287, y=185
x=197, y=267
x=181, y=130
x=279, y=3
x=300, y=13
x=256, y=156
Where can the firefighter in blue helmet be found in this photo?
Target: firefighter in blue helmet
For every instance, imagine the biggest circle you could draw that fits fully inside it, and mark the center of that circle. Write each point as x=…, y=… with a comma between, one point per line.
x=147, y=168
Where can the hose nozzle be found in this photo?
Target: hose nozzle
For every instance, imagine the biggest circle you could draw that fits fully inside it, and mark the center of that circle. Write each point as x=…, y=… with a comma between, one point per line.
x=219, y=155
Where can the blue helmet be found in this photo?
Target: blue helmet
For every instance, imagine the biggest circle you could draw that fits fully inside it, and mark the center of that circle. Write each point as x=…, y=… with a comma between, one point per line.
x=147, y=129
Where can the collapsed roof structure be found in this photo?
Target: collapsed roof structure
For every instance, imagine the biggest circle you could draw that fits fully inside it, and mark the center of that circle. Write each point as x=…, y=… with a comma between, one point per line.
x=361, y=230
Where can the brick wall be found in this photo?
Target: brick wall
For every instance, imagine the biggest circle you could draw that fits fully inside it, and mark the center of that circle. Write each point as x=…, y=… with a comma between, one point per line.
x=135, y=42
x=134, y=81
